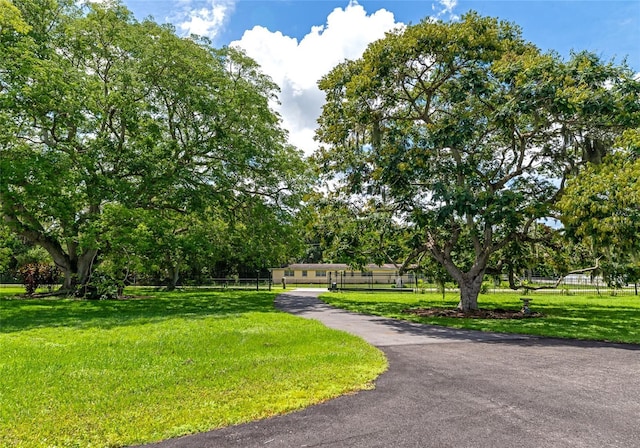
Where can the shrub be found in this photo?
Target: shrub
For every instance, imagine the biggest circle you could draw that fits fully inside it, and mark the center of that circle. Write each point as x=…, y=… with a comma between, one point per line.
x=35, y=274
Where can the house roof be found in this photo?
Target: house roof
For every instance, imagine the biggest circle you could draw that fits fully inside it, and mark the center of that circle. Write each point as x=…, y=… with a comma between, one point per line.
x=337, y=267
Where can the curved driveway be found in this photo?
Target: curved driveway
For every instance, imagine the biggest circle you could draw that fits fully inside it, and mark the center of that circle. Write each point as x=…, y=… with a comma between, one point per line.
x=456, y=388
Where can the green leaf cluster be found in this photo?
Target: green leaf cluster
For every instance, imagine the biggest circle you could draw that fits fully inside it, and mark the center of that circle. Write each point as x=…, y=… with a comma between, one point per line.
x=99, y=110
x=465, y=133
x=601, y=208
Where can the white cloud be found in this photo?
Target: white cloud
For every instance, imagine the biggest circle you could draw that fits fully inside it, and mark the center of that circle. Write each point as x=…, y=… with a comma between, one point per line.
x=296, y=66
x=448, y=5
x=446, y=8
x=206, y=20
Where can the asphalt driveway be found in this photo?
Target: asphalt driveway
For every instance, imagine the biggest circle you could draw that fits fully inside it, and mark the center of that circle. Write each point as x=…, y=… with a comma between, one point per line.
x=456, y=388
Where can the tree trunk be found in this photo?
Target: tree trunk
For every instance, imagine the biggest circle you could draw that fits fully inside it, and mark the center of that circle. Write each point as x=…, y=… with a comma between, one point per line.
x=77, y=272
x=174, y=276
x=70, y=280
x=469, y=290
x=85, y=265
x=470, y=282
x=76, y=268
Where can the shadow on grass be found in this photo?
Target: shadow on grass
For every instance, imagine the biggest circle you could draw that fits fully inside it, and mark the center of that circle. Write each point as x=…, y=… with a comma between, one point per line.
x=376, y=308
x=568, y=321
x=25, y=314
x=505, y=335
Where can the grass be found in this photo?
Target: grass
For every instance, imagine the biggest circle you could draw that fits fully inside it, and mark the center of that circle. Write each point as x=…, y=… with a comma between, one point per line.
x=589, y=317
x=114, y=373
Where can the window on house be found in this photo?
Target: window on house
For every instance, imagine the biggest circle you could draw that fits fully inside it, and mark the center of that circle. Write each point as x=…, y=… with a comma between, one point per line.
x=288, y=273
x=367, y=274
x=321, y=273
x=304, y=273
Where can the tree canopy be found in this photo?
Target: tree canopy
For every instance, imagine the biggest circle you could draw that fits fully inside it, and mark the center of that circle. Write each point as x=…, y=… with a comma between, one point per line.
x=601, y=208
x=98, y=109
x=465, y=134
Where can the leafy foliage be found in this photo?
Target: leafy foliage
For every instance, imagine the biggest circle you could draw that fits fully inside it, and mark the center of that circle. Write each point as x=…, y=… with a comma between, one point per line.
x=601, y=204
x=601, y=208
x=36, y=274
x=463, y=133
x=98, y=109
x=11, y=249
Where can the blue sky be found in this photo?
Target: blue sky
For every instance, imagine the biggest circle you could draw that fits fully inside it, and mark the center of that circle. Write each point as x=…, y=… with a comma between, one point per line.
x=297, y=41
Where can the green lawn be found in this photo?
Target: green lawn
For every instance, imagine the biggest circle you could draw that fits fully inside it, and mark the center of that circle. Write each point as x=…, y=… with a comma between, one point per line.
x=604, y=318
x=112, y=373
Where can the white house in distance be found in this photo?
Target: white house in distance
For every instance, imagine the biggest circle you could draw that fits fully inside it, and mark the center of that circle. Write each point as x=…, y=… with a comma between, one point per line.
x=327, y=273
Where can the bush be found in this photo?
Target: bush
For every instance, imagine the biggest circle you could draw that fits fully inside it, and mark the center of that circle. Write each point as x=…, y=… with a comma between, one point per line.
x=35, y=274
x=102, y=286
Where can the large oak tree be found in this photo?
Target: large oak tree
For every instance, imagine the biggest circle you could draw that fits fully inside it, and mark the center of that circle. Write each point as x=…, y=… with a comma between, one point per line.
x=465, y=133
x=97, y=108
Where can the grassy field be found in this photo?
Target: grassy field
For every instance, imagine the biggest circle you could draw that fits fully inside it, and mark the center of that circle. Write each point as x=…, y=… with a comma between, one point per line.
x=113, y=373
x=603, y=318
